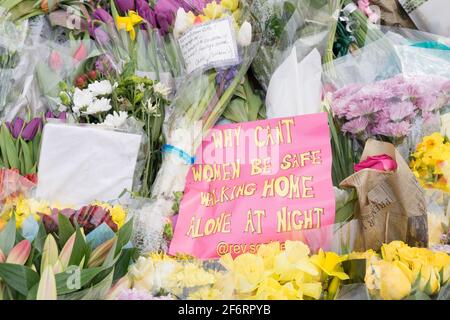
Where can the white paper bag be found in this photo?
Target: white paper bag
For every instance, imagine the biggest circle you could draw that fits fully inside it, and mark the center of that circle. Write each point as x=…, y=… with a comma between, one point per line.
x=78, y=165
x=295, y=87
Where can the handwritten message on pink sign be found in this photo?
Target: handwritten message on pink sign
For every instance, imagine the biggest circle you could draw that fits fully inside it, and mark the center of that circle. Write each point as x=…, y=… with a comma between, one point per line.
x=254, y=183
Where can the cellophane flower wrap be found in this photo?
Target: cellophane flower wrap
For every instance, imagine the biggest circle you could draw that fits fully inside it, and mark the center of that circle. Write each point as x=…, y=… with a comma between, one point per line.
x=199, y=103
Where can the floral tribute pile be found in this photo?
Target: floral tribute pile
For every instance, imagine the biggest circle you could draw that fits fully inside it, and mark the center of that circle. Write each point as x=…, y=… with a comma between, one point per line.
x=135, y=88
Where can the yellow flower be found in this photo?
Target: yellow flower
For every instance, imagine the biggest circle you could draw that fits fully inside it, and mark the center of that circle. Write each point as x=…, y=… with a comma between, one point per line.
x=312, y=289
x=118, y=215
x=247, y=270
x=268, y=252
x=128, y=23
x=394, y=283
x=206, y=293
x=271, y=289
x=231, y=5
x=213, y=10
x=294, y=259
x=429, y=281
x=330, y=263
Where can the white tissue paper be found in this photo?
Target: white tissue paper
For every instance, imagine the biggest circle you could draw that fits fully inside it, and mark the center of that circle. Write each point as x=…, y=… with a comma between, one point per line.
x=295, y=87
x=78, y=165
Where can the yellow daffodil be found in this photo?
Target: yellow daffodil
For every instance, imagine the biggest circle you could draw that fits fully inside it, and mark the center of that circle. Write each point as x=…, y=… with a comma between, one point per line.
x=247, y=269
x=293, y=259
x=330, y=264
x=311, y=289
x=213, y=10
x=128, y=23
x=231, y=5
x=268, y=253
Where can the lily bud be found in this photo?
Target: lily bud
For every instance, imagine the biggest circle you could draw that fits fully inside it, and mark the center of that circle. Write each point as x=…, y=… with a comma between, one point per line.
x=100, y=253
x=49, y=252
x=47, y=285
x=20, y=253
x=245, y=35
x=66, y=252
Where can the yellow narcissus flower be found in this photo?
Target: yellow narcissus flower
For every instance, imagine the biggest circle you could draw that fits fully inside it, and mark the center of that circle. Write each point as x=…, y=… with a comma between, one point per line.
x=268, y=252
x=117, y=213
x=231, y=5
x=293, y=259
x=127, y=23
x=394, y=283
x=270, y=289
x=389, y=252
x=330, y=264
x=247, y=270
x=213, y=10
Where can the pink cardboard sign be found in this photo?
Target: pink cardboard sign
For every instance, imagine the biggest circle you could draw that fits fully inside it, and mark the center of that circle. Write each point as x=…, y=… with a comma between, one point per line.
x=254, y=183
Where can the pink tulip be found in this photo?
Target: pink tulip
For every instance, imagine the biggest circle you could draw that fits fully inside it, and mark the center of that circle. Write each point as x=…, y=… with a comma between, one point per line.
x=381, y=162
x=81, y=53
x=20, y=253
x=66, y=251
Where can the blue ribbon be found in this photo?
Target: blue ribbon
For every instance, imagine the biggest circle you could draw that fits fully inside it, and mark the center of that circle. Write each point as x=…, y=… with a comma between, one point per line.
x=181, y=153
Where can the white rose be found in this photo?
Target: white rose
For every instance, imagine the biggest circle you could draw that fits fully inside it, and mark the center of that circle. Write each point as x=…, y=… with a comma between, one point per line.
x=82, y=99
x=445, y=125
x=182, y=23
x=100, y=88
x=98, y=105
x=115, y=120
x=244, y=37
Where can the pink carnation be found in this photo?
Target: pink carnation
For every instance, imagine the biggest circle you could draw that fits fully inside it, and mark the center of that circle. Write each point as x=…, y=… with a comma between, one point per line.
x=393, y=129
x=401, y=110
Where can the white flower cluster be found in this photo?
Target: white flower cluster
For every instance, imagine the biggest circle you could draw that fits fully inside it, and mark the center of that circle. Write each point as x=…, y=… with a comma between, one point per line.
x=92, y=100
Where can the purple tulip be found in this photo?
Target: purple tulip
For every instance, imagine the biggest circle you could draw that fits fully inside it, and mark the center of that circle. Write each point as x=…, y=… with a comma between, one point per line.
x=166, y=11
x=51, y=115
x=15, y=127
x=102, y=15
x=144, y=10
x=99, y=34
x=30, y=130
x=125, y=5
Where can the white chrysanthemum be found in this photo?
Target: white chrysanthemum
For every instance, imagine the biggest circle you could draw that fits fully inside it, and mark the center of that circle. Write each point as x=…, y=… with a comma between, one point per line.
x=162, y=89
x=100, y=88
x=98, y=105
x=82, y=99
x=115, y=120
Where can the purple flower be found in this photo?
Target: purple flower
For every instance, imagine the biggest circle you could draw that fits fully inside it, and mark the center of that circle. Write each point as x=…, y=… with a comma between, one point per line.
x=392, y=129
x=16, y=127
x=144, y=10
x=195, y=5
x=103, y=64
x=226, y=76
x=125, y=5
x=102, y=15
x=356, y=125
x=365, y=107
x=51, y=115
x=401, y=110
x=165, y=13
x=100, y=35
x=31, y=128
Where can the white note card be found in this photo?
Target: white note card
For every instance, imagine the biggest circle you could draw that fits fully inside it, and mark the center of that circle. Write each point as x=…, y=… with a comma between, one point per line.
x=209, y=45
x=78, y=165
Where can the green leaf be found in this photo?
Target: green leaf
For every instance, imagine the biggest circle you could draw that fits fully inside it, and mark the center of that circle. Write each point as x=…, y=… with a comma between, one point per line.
x=3, y=133
x=96, y=292
x=65, y=229
x=124, y=236
x=18, y=277
x=356, y=270
x=8, y=236
x=418, y=295
x=127, y=256
x=444, y=293
x=38, y=242
x=27, y=156
x=11, y=150
x=79, y=249
x=82, y=278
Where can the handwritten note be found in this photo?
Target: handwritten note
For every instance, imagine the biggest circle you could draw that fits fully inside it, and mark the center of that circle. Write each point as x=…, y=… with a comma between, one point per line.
x=209, y=45
x=257, y=182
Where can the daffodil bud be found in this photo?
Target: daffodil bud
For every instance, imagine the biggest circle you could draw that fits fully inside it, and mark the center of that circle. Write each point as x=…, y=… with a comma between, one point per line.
x=245, y=34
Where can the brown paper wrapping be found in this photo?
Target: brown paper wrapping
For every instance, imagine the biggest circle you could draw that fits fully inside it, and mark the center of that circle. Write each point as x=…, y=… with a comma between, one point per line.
x=393, y=14
x=391, y=205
